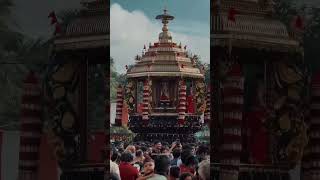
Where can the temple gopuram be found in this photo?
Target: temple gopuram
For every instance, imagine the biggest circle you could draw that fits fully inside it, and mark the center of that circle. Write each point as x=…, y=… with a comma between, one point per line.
x=165, y=91
x=260, y=99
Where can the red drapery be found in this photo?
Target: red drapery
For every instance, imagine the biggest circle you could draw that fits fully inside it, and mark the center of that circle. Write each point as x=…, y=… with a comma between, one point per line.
x=190, y=103
x=258, y=137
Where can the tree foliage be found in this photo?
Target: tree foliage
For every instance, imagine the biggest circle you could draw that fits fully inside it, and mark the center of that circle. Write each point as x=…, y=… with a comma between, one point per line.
x=286, y=10
x=18, y=55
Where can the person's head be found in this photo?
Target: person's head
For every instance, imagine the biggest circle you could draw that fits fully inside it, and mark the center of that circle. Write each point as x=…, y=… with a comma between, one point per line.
x=203, y=150
x=204, y=170
x=186, y=176
x=148, y=165
x=176, y=153
x=139, y=153
x=120, y=150
x=174, y=172
x=165, y=150
x=157, y=145
x=193, y=148
x=143, y=148
x=162, y=164
x=178, y=145
x=131, y=148
x=126, y=157
x=192, y=162
x=185, y=154
x=187, y=146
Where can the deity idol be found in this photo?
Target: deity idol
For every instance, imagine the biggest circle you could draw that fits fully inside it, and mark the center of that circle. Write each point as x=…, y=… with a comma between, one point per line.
x=164, y=92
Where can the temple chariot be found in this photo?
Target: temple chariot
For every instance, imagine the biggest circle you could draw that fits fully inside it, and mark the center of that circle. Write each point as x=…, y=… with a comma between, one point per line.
x=165, y=91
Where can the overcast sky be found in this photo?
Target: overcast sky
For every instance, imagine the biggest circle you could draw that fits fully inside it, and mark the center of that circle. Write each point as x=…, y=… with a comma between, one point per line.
x=133, y=25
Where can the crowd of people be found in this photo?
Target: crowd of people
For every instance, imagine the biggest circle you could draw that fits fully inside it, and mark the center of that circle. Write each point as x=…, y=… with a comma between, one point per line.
x=160, y=161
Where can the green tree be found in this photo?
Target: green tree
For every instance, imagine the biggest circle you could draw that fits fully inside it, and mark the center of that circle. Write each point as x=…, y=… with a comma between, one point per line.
x=18, y=55
x=113, y=80
x=286, y=10
x=201, y=65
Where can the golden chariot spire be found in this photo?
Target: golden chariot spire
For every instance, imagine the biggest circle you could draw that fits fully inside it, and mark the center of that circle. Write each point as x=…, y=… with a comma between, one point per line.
x=165, y=35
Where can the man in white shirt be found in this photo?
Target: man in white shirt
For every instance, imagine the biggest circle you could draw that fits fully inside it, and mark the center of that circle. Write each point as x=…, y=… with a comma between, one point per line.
x=114, y=168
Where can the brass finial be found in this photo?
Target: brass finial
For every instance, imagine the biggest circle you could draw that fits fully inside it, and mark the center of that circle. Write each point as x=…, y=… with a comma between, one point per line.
x=165, y=18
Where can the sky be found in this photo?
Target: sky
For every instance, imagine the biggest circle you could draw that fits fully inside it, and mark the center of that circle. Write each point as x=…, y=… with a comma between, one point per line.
x=191, y=24
x=133, y=25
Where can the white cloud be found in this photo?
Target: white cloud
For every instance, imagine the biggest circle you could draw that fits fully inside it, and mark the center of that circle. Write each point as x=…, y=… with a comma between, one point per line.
x=130, y=31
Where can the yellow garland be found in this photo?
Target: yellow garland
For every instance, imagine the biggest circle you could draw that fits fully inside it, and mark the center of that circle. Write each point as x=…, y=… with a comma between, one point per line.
x=129, y=96
x=200, y=97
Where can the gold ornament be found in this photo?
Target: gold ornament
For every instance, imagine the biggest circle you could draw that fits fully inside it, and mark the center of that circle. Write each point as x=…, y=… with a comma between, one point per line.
x=59, y=92
x=293, y=92
x=279, y=103
x=295, y=149
x=64, y=73
x=284, y=122
x=288, y=74
x=67, y=121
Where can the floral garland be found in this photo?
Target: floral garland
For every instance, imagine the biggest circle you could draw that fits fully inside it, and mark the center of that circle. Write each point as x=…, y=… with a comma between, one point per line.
x=62, y=131
x=130, y=97
x=122, y=137
x=200, y=97
x=287, y=120
x=150, y=93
